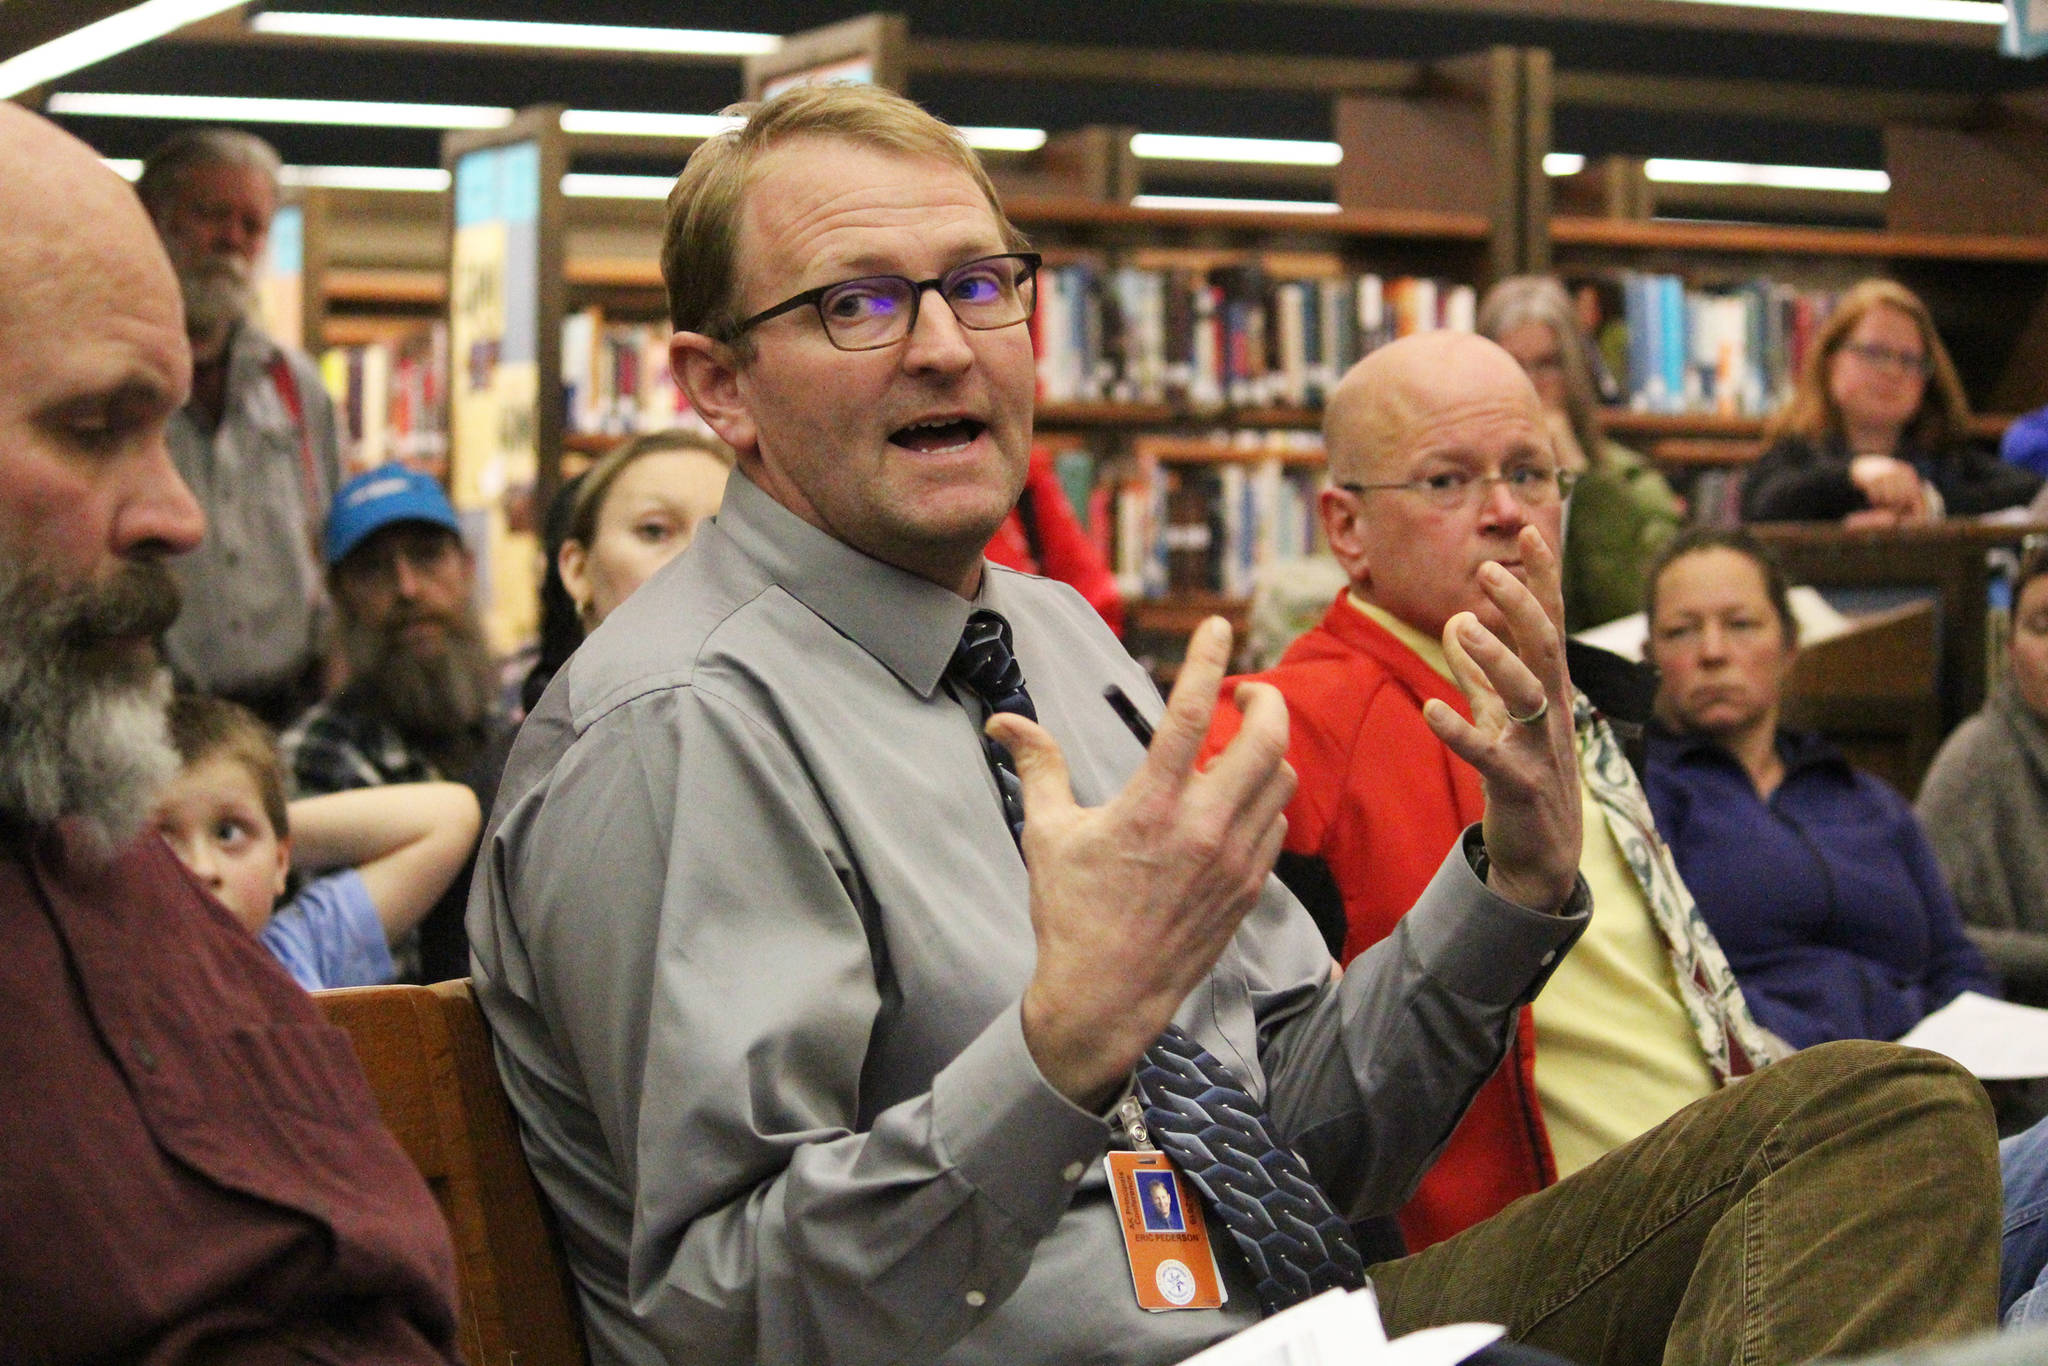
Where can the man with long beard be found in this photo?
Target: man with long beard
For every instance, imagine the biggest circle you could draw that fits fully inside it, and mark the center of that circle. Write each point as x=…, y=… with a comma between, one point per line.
x=191, y=1164
x=256, y=442
x=420, y=702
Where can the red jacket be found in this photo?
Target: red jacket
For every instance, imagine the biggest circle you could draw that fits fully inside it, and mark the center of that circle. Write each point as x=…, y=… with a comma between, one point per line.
x=1380, y=802
x=1059, y=549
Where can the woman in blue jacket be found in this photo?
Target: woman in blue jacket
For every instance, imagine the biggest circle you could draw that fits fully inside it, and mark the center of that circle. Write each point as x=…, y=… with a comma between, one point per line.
x=1816, y=878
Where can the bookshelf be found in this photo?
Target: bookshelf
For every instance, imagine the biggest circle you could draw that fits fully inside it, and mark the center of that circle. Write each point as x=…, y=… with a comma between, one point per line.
x=1442, y=179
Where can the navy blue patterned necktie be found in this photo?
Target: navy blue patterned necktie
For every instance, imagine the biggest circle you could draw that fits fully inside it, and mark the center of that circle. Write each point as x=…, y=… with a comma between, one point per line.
x=1198, y=1113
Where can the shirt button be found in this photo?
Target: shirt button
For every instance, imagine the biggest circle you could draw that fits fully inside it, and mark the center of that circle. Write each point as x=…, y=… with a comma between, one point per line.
x=1549, y=958
x=232, y=559
x=145, y=1056
x=975, y=1299
x=1071, y=1172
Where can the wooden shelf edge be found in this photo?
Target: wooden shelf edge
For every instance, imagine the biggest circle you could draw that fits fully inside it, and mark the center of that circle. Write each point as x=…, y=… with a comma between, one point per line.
x=1405, y=223
x=1053, y=416
x=1654, y=234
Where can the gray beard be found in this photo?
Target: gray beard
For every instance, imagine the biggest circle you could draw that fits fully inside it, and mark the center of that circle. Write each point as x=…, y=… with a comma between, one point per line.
x=436, y=702
x=82, y=733
x=218, y=294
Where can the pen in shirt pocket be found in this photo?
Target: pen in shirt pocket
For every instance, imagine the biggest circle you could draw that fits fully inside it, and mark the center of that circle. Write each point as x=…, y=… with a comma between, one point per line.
x=1127, y=712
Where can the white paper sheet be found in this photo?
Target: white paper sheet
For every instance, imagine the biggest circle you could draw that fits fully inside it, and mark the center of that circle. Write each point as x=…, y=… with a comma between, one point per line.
x=1996, y=1040
x=1342, y=1328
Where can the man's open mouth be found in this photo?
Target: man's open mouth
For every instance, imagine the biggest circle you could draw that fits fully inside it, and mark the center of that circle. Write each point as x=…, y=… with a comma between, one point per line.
x=932, y=438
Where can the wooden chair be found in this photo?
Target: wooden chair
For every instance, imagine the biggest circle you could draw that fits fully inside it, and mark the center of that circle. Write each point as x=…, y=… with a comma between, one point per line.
x=428, y=1057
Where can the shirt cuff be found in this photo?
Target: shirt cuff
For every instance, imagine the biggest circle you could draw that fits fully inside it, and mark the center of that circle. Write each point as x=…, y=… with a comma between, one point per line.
x=1008, y=1132
x=1483, y=946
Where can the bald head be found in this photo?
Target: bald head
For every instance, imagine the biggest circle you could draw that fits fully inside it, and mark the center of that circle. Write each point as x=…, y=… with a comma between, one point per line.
x=69, y=218
x=1403, y=389
x=1439, y=456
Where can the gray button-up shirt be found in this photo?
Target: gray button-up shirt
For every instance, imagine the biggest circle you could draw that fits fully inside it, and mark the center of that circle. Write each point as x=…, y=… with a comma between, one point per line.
x=752, y=934
x=254, y=597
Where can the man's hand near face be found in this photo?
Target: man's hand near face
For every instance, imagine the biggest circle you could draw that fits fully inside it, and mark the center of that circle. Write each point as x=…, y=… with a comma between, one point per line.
x=1527, y=767
x=1133, y=902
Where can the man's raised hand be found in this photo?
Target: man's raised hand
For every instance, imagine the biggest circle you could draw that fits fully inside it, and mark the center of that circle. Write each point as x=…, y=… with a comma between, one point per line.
x=1520, y=735
x=1133, y=902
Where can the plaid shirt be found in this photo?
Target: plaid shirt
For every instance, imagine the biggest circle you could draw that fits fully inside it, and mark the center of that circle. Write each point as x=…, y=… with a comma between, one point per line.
x=335, y=749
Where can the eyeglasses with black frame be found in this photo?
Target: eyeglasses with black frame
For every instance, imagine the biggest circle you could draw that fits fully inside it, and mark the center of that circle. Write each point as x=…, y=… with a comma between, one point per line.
x=875, y=311
x=1533, y=486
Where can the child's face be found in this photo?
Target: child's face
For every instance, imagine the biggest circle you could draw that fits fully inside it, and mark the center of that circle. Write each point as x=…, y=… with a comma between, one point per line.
x=213, y=819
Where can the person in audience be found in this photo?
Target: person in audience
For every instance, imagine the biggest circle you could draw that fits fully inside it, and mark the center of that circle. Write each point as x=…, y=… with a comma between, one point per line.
x=641, y=514
x=635, y=510
x=1622, y=511
x=1878, y=430
x=829, y=1068
x=191, y=1164
x=257, y=441
x=1043, y=536
x=1441, y=460
x=421, y=700
x=1816, y=878
x=1984, y=802
x=396, y=848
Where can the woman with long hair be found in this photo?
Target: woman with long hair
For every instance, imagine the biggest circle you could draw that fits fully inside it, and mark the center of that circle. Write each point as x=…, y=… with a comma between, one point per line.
x=1622, y=512
x=1877, y=432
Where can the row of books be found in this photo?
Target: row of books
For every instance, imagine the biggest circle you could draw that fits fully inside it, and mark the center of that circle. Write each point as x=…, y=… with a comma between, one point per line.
x=1231, y=335
x=391, y=401
x=1210, y=526
x=615, y=376
x=1732, y=350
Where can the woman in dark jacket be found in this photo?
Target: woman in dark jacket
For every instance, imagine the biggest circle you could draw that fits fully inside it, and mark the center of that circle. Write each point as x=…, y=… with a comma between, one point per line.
x=1877, y=432
x=1815, y=878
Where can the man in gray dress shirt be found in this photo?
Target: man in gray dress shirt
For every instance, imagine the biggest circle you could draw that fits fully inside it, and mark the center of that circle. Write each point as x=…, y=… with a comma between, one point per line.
x=810, y=1066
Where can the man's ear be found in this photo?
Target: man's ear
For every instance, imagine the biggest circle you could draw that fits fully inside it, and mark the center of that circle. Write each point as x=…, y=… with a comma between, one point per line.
x=1344, y=528
x=708, y=372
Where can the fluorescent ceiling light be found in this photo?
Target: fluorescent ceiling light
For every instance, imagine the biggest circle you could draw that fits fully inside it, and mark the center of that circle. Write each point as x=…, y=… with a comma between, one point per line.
x=423, y=179
x=96, y=42
x=694, y=42
x=1563, y=163
x=581, y=185
x=1003, y=139
x=1672, y=171
x=1269, y=151
x=1947, y=11
x=1191, y=201
x=240, y=109
x=631, y=123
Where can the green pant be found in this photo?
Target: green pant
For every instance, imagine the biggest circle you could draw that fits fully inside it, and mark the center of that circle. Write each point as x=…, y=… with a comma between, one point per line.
x=1845, y=1200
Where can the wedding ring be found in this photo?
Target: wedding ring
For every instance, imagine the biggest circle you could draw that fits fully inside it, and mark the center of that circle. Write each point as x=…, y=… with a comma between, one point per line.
x=1542, y=710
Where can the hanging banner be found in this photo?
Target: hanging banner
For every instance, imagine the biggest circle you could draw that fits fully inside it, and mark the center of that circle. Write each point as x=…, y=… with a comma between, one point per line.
x=493, y=329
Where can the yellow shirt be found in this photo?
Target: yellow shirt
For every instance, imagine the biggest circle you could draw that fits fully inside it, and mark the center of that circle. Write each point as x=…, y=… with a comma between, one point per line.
x=1615, y=1053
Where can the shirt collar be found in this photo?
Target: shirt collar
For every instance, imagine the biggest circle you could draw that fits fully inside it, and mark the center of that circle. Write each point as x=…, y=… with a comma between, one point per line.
x=1427, y=648
x=910, y=624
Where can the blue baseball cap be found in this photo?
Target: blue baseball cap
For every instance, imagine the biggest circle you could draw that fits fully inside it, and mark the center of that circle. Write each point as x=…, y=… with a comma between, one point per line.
x=374, y=500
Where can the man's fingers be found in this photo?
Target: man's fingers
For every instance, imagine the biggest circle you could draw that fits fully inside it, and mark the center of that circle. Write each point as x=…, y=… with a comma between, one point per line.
x=1041, y=768
x=1488, y=672
x=1546, y=575
x=1192, y=703
x=1537, y=637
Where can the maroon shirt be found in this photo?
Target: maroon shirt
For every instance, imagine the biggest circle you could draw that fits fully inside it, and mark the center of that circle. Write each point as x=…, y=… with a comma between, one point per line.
x=190, y=1159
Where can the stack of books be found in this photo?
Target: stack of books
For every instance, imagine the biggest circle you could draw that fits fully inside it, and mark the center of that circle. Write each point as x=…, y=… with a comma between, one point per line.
x=1227, y=336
